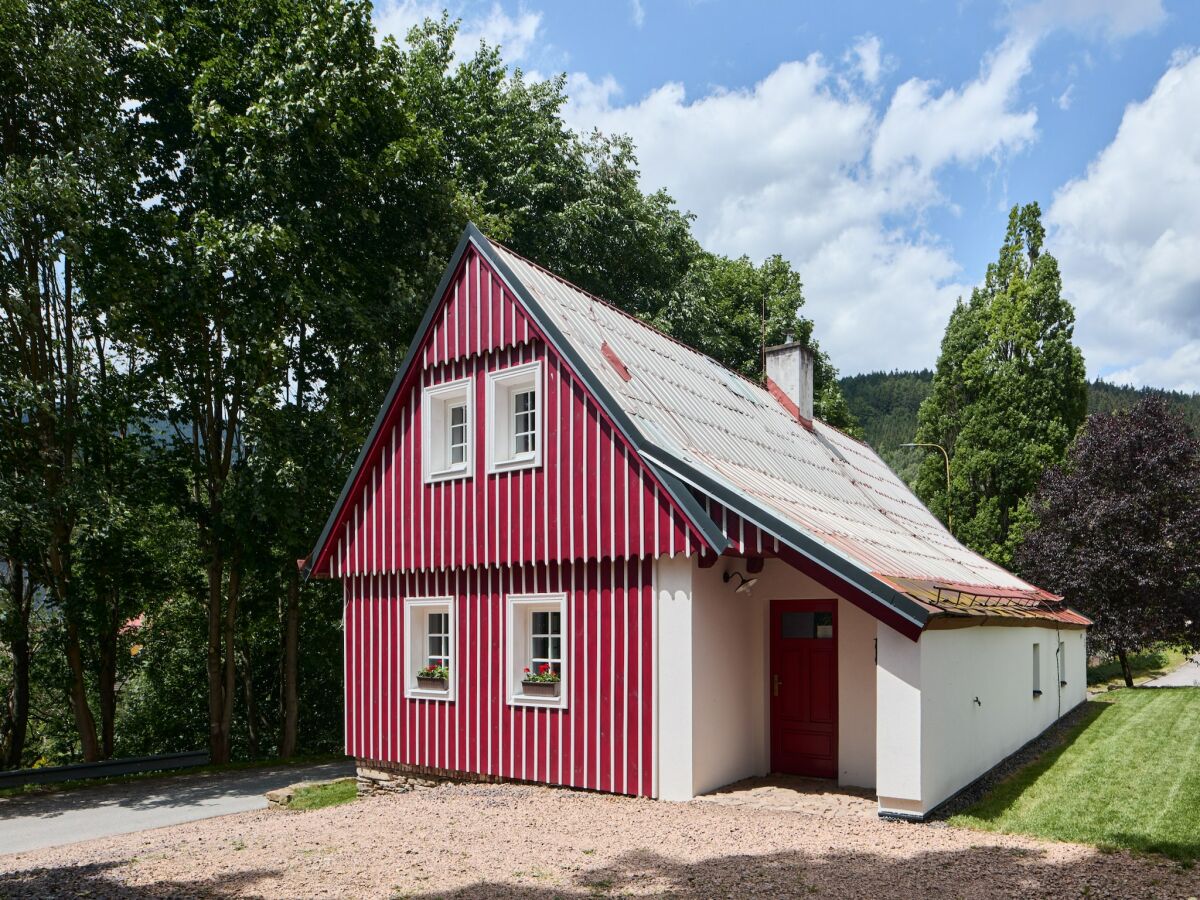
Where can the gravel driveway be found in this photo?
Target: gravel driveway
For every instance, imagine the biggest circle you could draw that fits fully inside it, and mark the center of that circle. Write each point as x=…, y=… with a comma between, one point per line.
x=513, y=840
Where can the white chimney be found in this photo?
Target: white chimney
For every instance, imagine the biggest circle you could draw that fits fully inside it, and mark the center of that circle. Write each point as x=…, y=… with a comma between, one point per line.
x=790, y=379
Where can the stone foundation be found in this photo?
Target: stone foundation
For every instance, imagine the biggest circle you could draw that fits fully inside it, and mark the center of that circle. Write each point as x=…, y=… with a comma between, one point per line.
x=375, y=775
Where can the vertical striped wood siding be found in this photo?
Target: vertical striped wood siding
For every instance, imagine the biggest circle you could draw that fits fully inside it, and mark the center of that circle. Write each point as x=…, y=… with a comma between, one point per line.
x=589, y=522
x=591, y=498
x=603, y=740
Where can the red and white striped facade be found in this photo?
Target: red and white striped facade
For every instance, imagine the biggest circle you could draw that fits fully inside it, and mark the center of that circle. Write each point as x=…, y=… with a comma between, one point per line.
x=589, y=521
x=603, y=740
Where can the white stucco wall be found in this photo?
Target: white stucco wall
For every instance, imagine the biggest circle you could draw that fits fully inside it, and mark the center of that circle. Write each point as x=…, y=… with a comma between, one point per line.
x=898, y=735
x=673, y=678
x=927, y=705
x=726, y=670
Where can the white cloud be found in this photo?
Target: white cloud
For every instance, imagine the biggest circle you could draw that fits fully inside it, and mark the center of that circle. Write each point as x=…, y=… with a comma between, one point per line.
x=1127, y=235
x=1111, y=19
x=959, y=125
x=514, y=33
x=1066, y=97
x=802, y=164
x=637, y=12
x=866, y=57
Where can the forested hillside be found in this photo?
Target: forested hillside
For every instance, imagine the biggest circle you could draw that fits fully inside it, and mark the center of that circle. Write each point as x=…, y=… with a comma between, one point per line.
x=886, y=404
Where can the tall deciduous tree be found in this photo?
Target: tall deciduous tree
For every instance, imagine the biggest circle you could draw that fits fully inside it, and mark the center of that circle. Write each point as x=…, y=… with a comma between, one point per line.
x=1008, y=395
x=66, y=170
x=1118, y=529
x=292, y=200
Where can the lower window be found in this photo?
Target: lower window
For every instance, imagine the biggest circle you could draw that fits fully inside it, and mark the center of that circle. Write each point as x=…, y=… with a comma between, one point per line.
x=429, y=665
x=537, y=653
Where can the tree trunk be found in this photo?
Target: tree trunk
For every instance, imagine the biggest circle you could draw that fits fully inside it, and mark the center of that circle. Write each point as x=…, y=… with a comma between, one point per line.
x=231, y=605
x=1125, y=667
x=291, y=647
x=85, y=722
x=20, y=648
x=107, y=678
x=251, y=703
x=218, y=733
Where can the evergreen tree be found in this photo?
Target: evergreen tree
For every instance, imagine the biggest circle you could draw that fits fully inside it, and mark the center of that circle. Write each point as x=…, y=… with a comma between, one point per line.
x=1008, y=394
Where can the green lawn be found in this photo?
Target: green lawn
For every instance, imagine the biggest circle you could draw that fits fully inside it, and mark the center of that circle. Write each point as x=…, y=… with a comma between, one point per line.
x=1128, y=776
x=1145, y=666
x=320, y=795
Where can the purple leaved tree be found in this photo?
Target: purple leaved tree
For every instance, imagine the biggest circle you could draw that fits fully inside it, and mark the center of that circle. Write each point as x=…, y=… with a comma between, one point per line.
x=1118, y=530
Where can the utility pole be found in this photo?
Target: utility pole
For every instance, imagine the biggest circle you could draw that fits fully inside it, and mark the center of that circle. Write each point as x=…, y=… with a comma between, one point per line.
x=949, y=515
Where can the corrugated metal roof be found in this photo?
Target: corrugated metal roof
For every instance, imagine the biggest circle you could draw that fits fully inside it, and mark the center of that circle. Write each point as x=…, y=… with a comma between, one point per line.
x=822, y=482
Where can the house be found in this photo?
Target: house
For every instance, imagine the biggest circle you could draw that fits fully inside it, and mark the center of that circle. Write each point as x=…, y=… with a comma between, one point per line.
x=575, y=551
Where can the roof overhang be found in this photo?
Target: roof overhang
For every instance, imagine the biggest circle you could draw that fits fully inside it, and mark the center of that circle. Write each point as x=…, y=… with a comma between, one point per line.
x=821, y=562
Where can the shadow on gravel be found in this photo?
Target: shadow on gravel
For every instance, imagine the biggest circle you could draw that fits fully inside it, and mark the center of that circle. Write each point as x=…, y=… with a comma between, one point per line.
x=100, y=880
x=976, y=872
x=169, y=791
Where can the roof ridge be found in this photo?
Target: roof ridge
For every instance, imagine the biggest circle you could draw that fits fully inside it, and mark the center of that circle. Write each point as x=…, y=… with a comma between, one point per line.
x=637, y=320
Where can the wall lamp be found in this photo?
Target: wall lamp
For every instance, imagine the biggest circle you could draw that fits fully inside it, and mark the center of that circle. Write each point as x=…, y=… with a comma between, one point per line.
x=744, y=585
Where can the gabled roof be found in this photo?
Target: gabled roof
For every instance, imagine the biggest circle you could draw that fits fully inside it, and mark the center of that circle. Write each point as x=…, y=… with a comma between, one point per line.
x=824, y=494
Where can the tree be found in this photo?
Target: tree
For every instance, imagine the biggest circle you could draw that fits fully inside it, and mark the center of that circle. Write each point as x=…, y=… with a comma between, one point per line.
x=1008, y=394
x=1118, y=529
x=66, y=163
x=292, y=207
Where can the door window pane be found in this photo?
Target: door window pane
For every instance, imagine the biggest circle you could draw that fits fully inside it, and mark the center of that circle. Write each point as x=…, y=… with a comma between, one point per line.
x=807, y=625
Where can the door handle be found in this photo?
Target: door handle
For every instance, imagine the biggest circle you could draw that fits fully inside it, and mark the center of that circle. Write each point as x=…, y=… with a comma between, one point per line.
x=775, y=683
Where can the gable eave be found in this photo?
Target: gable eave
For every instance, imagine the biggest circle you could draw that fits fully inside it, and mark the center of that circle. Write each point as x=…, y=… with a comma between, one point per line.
x=473, y=237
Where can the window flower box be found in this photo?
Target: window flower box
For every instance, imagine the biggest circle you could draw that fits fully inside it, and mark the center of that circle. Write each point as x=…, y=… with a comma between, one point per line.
x=543, y=683
x=433, y=678
x=540, y=688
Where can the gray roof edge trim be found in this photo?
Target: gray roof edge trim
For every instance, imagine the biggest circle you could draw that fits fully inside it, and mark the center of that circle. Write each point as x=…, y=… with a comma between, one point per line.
x=682, y=497
x=818, y=551
x=470, y=235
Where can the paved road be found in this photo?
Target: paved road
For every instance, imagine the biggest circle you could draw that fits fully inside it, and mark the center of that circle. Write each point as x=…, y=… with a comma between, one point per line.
x=48, y=820
x=1187, y=675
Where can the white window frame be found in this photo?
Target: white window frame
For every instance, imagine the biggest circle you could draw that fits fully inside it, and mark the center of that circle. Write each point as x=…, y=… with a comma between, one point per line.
x=518, y=613
x=416, y=643
x=436, y=401
x=502, y=386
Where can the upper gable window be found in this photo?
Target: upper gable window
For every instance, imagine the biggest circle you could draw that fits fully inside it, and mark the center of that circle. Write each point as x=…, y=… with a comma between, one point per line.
x=515, y=417
x=446, y=412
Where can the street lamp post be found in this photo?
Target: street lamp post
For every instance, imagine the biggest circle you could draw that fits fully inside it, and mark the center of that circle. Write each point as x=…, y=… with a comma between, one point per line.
x=949, y=515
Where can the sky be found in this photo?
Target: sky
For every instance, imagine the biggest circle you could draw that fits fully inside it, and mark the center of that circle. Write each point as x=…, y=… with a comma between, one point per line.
x=879, y=147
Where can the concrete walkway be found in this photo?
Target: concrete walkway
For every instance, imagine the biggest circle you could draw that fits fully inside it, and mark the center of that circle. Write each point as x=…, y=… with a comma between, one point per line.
x=49, y=820
x=1187, y=675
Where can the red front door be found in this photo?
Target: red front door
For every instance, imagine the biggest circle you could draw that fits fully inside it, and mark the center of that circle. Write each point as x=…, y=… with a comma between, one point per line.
x=804, y=687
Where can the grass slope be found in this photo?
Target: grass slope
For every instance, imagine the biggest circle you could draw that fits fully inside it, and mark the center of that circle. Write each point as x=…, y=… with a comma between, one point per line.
x=318, y=796
x=1129, y=776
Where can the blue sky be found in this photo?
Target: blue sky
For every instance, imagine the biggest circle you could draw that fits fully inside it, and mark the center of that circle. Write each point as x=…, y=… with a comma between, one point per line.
x=879, y=146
